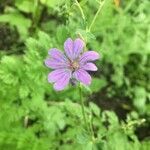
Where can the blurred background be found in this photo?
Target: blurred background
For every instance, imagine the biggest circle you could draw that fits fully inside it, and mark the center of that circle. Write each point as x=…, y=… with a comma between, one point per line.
x=35, y=117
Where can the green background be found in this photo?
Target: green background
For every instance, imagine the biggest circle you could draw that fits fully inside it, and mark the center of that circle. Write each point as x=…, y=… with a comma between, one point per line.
x=35, y=117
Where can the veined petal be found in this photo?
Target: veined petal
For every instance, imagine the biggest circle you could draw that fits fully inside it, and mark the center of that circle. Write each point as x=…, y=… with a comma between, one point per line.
x=68, y=46
x=82, y=76
x=73, y=48
x=78, y=47
x=54, y=64
x=89, y=67
x=58, y=74
x=63, y=81
x=89, y=56
x=57, y=55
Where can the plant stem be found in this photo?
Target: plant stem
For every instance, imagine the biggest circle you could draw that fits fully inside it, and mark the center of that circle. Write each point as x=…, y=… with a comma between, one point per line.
x=82, y=106
x=91, y=128
x=87, y=125
x=81, y=10
x=98, y=11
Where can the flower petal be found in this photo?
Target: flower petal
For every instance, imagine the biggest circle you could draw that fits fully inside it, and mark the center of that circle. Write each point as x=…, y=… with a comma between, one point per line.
x=82, y=76
x=78, y=47
x=63, y=81
x=68, y=46
x=73, y=48
x=57, y=75
x=57, y=55
x=89, y=56
x=55, y=64
x=89, y=67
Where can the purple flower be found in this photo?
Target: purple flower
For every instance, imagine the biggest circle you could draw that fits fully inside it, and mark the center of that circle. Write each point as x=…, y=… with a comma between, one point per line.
x=71, y=66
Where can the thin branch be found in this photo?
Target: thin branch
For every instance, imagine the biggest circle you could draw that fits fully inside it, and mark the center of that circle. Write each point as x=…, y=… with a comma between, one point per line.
x=81, y=10
x=95, y=17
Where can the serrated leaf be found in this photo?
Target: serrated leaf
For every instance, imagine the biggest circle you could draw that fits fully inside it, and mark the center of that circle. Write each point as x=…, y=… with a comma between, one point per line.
x=23, y=92
x=86, y=34
x=95, y=109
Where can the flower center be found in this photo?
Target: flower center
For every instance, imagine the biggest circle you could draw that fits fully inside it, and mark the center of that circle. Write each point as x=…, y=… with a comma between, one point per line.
x=74, y=65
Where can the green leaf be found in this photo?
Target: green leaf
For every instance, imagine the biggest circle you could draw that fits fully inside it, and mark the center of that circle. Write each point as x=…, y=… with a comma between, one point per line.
x=97, y=84
x=83, y=137
x=23, y=91
x=95, y=109
x=18, y=20
x=85, y=34
x=61, y=34
x=140, y=98
x=25, y=5
x=52, y=3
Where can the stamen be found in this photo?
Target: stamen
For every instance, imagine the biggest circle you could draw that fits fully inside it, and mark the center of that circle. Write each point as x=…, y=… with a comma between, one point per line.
x=74, y=65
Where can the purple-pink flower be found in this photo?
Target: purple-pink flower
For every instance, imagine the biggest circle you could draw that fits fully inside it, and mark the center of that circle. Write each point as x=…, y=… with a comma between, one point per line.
x=73, y=65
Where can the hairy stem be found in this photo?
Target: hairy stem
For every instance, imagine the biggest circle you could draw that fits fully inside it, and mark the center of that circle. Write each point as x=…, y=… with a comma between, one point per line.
x=95, y=17
x=82, y=106
x=88, y=124
x=81, y=10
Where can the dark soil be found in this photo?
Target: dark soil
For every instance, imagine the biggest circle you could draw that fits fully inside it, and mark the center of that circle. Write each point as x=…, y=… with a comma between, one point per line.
x=121, y=106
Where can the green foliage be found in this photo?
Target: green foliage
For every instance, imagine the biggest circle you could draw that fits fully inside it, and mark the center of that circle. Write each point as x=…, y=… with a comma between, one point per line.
x=35, y=117
x=18, y=20
x=52, y=3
